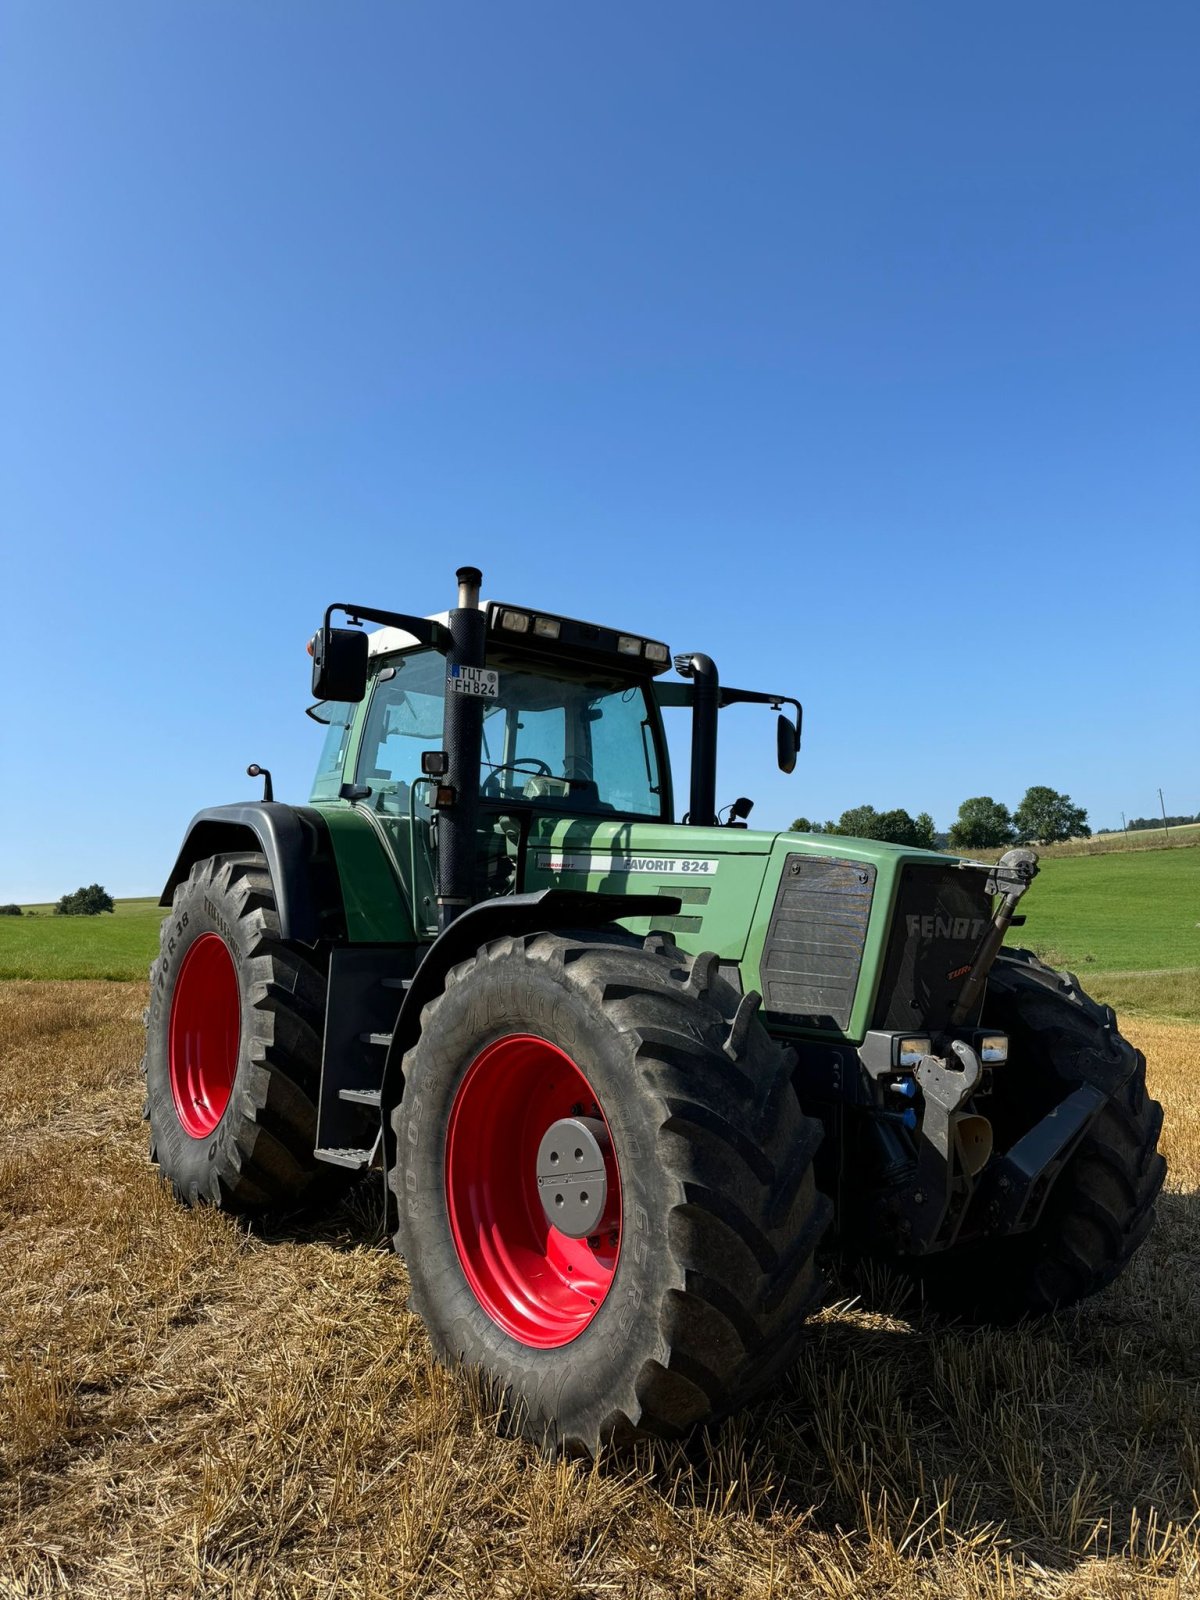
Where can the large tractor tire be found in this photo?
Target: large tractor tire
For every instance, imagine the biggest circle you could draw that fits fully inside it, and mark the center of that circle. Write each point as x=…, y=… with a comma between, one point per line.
x=233, y=1045
x=648, y=1080
x=1102, y=1204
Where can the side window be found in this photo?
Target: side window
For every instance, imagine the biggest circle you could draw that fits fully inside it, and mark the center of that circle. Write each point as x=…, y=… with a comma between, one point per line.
x=405, y=718
x=338, y=717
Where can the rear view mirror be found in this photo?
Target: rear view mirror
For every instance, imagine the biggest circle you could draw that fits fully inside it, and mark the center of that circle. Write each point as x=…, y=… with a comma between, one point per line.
x=786, y=744
x=339, y=663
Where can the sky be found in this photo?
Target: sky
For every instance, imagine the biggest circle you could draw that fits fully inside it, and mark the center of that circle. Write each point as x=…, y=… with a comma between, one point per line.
x=855, y=345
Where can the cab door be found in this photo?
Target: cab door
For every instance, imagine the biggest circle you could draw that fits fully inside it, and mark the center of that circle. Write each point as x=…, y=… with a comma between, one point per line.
x=404, y=719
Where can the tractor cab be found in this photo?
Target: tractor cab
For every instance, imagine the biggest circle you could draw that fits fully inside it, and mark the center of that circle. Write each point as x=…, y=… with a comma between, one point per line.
x=544, y=718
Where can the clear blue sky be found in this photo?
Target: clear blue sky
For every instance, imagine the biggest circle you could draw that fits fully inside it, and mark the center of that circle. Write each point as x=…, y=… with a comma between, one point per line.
x=858, y=345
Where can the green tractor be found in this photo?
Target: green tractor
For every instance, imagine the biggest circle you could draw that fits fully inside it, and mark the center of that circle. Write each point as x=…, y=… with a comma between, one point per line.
x=622, y=1076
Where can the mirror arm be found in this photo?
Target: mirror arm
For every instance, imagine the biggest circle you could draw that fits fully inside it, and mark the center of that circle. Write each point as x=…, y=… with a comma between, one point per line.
x=732, y=697
x=422, y=629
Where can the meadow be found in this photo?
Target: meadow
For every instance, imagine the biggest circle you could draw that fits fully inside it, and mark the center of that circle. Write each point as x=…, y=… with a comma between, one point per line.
x=195, y=1406
x=116, y=946
x=1128, y=924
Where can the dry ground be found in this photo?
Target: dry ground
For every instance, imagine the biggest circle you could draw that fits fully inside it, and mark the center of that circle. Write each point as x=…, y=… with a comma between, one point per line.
x=192, y=1408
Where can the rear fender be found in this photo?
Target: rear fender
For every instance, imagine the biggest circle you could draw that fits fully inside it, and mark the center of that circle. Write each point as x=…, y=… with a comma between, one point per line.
x=295, y=842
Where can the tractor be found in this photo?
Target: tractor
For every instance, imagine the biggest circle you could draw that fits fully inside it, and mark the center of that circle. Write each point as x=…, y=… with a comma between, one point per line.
x=621, y=1077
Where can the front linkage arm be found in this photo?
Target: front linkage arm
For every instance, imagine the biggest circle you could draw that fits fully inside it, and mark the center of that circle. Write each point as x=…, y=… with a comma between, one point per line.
x=1009, y=878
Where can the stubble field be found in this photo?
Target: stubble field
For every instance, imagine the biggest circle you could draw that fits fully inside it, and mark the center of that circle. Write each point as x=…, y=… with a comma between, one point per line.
x=192, y=1407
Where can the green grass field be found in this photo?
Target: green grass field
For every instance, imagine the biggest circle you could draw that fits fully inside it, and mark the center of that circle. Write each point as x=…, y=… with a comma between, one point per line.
x=120, y=946
x=1127, y=922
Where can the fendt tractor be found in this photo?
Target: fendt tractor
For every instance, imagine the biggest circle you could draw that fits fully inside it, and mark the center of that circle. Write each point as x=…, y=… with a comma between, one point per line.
x=622, y=1076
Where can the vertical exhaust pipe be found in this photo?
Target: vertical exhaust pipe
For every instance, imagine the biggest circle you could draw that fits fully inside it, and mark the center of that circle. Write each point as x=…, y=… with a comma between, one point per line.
x=706, y=703
x=462, y=736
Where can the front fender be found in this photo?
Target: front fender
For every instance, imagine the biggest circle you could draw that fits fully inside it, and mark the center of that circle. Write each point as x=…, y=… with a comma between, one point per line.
x=492, y=919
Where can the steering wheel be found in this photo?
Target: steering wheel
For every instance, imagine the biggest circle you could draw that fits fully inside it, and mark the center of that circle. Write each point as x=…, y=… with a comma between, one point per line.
x=491, y=784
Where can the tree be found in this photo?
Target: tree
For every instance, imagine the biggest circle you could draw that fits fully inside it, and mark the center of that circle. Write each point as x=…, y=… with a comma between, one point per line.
x=1045, y=817
x=803, y=825
x=926, y=833
x=981, y=823
x=89, y=902
x=891, y=827
x=859, y=822
x=11, y=911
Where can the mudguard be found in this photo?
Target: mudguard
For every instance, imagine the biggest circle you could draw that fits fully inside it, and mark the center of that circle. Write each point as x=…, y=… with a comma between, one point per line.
x=294, y=841
x=492, y=919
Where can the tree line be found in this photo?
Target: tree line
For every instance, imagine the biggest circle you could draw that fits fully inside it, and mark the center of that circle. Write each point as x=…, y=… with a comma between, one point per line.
x=1137, y=824
x=1043, y=817
x=87, y=901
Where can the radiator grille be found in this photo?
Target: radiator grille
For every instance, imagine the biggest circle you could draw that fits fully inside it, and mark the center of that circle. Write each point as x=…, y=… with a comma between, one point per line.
x=942, y=915
x=815, y=940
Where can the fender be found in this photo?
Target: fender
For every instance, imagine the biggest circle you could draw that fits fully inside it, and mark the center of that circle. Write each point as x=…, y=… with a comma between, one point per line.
x=492, y=919
x=294, y=840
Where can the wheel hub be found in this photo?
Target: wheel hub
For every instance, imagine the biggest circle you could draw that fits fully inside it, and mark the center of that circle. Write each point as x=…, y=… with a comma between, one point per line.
x=571, y=1181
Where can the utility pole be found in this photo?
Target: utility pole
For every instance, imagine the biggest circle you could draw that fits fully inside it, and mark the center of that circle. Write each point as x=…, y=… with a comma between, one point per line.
x=1163, y=809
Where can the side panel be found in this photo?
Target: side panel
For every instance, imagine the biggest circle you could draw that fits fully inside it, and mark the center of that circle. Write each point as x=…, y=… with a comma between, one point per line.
x=812, y=956
x=717, y=873
x=376, y=909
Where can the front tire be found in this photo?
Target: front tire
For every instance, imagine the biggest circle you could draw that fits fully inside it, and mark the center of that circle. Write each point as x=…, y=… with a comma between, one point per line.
x=1102, y=1206
x=690, y=1295
x=233, y=1045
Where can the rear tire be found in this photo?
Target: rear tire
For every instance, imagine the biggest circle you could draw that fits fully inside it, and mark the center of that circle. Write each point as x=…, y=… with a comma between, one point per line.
x=709, y=1263
x=233, y=1045
x=1102, y=1205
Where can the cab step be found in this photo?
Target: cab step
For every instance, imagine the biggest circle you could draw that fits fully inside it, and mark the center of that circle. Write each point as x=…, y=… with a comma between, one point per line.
x=355, y=1159
x=361, y=1097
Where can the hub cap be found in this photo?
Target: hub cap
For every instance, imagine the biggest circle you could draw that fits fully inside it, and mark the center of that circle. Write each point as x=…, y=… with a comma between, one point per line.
x=204, y=1034
x=523, y=1098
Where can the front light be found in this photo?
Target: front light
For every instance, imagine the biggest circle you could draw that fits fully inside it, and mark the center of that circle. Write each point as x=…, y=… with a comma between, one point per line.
x=547, y=627
x=515, y=621
x=629, y=646
x=657, y=652
x=910, y=1051
x=993, y=1047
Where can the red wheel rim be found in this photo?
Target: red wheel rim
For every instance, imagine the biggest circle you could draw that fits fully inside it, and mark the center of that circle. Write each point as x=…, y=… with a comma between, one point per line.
x=539, y=1285
x=204, y=1034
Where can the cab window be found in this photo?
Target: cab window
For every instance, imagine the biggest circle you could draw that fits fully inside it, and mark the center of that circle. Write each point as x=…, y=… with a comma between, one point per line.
x=405, y=718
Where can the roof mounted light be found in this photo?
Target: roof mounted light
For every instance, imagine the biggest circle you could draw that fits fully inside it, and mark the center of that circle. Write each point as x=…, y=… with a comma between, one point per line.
x=547, y=627
x=515, y=621
x=657, y=652
x=627, y=645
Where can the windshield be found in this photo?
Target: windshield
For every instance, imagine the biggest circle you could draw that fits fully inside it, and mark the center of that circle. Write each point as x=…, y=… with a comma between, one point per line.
x=581, y=744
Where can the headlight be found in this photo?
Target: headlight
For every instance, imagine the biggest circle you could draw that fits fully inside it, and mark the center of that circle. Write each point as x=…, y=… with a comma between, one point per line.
x=910, y=1051
x=992, y=1047
x=628, y=645
x=515, y=621
x=547, y=627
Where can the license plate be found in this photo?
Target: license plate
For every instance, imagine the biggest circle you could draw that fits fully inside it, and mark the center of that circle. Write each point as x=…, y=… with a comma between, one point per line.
x=480, y=682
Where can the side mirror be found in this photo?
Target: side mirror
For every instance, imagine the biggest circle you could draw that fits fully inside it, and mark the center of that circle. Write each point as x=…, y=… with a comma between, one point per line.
x=339, y=663
x=786, y=744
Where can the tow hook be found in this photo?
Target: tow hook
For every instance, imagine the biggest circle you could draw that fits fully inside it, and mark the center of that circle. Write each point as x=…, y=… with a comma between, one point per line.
x=946, y=1087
